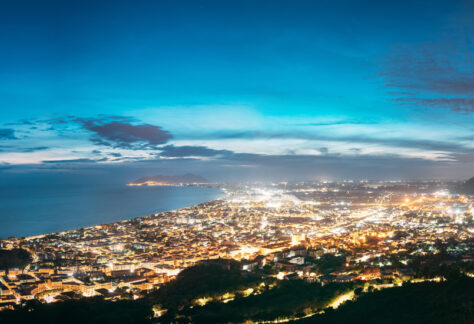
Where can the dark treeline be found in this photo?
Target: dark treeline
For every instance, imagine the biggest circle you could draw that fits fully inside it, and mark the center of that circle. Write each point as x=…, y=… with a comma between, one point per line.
x=289, y=298
x=206, y=279
x=15, y=258
x=446, y=302
x=214, y=278
x=93, y=310
x=451, y=301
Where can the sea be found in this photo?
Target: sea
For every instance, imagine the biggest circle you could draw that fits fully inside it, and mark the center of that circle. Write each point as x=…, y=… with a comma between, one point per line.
x=27, y=210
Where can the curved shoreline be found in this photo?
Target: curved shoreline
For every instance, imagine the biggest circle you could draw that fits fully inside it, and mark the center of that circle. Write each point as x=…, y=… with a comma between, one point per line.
x=95, y=206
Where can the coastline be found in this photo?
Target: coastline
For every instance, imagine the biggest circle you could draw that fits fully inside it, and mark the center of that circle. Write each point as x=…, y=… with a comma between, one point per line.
x=89, y=207
x=32, y=237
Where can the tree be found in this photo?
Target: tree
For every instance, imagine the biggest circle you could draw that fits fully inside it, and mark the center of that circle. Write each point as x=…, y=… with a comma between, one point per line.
x=15, y=258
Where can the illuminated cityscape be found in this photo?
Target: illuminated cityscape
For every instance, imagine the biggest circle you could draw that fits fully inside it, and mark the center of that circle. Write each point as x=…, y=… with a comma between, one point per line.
x=374, y=228
x=237, y=162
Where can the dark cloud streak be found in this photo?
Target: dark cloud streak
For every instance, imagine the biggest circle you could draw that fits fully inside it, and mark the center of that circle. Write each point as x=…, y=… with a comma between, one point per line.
x=34, y=149
x=7, y=133
x=455, y=104
x=119, y=131
x=355, y=139
x=186, y=151
x=123, y=134
x=73, y=161
x=437, y=75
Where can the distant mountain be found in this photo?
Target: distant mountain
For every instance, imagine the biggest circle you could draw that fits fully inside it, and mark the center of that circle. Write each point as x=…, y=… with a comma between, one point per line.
x=162, y=180
x=468, y=186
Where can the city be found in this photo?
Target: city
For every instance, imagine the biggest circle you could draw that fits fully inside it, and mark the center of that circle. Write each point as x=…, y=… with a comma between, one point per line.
x=322, y=232
x=237, y=162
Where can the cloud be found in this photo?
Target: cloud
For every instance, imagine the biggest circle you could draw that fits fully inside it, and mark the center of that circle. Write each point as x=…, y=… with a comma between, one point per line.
x=307, y=167
x=23, y=122
x=394, y=142
x=337, y=123
x=7, y=133
x=185, y=151
x=5, y=165
x=431, y=67
x=435, y=75
x=323, y=150
x=456, y=104
x=12, y=149
x=75, y=161
x=119, y=132
x=34, y=149
x=245, y=166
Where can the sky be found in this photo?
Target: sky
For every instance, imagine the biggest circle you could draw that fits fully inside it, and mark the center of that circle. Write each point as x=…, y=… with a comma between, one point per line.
x=236, y=90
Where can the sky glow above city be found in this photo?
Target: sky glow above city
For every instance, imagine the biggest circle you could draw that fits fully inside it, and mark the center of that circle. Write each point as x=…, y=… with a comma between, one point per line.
x=238, y=89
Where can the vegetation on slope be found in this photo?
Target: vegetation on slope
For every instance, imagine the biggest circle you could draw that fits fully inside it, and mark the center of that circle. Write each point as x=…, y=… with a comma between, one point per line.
x=88, y=310
x=451, y=301
x=288, y=299
x=15, y=258
x=255, y=299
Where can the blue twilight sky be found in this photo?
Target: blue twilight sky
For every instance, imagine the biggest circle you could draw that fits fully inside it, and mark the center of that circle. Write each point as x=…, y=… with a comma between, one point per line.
x=237, y=89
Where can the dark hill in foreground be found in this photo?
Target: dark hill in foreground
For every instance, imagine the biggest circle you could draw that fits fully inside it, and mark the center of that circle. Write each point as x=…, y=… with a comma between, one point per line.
x=447, y=302
x=429, y=302
x=207, y=278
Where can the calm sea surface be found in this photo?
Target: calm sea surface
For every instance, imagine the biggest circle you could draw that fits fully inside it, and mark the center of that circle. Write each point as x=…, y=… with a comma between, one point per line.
x=39, y=209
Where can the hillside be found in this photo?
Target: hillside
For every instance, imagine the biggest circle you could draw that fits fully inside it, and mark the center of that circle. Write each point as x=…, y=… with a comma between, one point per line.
x=213, y=281
x=428, y=302
x=468, y=186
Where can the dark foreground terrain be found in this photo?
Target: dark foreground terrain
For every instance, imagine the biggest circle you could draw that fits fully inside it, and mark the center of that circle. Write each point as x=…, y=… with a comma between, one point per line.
x=428, y=302
x=451, y=301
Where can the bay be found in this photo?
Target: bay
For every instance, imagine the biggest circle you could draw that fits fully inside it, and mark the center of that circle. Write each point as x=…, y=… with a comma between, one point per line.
x=39, y=209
